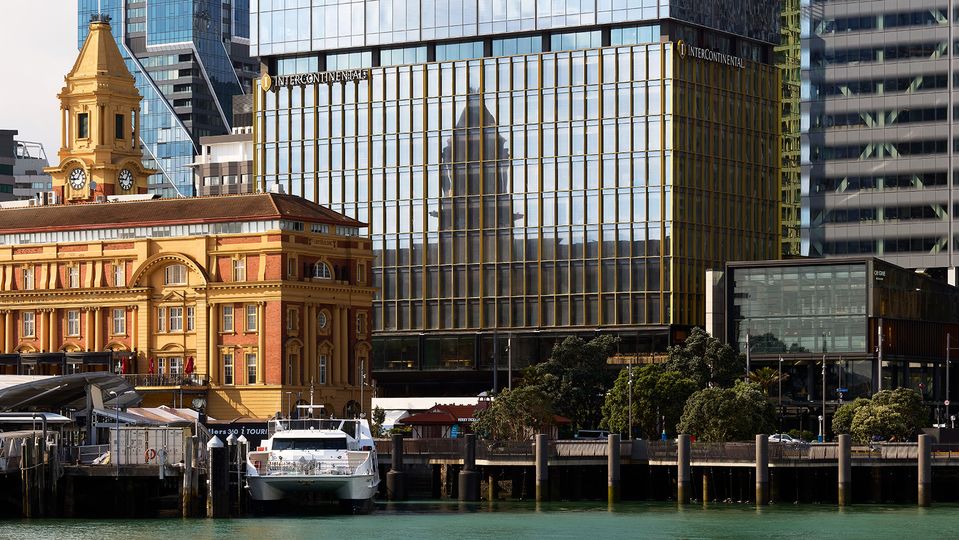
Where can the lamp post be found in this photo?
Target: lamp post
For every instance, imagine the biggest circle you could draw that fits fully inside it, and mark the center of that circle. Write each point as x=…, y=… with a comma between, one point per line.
x=629, y=390
x=781, y=395
x=747, y=355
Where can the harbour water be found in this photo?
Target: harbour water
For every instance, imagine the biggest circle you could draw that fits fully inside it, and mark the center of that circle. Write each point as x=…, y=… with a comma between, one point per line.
x=580, y=521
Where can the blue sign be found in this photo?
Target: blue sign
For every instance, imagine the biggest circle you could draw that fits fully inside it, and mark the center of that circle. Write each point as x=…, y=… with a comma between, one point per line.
x=842, y=390
x=455, y=431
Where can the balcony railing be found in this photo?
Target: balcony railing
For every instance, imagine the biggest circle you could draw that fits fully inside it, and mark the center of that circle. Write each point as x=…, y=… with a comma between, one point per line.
x=164, y=379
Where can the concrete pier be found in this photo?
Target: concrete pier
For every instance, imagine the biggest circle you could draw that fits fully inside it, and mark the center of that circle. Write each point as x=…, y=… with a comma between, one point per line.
x=186, y=497
x=706, y=498
x=762, y=469
x=612, y=468
x=683, y=486
x=469, y=477
x=396, y=478
x=925, y=470
x=845, y=470
x=542, y=467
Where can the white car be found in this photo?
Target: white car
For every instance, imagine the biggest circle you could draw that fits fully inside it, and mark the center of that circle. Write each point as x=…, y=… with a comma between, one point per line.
x=782, y=438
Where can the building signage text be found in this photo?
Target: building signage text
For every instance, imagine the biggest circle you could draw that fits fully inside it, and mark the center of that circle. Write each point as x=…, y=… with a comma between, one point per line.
x=326, y=77
x=709, y=55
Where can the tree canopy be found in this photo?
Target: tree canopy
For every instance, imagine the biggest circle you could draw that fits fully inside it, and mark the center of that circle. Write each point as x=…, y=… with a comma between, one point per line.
x=576, y=378
x=516, y=414
x=890, y=414
x=706, y=360
x=727, y=414
x=656, y=392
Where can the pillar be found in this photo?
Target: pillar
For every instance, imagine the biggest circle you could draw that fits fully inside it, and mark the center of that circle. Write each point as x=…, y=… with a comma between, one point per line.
x=261, y=342
x=925, y=470
x=542, y=467
x=469, y=477
x=186, y=499
x=344, y=347
x=612, y=468
x=39, y=334
x=845, y=470
x=335, y=357
x=88, y=331
x=7, y=331
x=762, y=469
x=212, y=358
x=705, y=486
x=97, y=330
x=682, y=469
x=218, y=497
x=309, y=342
x=52, y=330
x=396, y=477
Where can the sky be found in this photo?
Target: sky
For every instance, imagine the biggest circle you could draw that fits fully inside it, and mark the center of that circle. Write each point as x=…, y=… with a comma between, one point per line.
x=38, y=38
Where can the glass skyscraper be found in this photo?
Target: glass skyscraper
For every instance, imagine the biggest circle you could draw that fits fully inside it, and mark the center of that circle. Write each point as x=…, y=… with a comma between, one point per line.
x=529, y=170
x=878, y=172
x=189, y=57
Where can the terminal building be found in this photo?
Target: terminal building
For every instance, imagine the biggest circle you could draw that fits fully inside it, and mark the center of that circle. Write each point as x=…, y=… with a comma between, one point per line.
x=872, y=324
x=528, y=172
x=878, y=167
x=243, y=305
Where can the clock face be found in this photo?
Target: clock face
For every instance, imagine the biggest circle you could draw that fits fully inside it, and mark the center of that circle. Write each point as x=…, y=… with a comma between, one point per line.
x=126, y=179
x=77, y=178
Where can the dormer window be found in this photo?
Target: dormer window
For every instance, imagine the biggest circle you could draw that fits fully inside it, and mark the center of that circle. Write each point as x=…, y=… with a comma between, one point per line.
x=322, y=270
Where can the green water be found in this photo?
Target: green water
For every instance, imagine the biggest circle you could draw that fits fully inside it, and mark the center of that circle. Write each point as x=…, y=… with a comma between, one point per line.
x=580, y=521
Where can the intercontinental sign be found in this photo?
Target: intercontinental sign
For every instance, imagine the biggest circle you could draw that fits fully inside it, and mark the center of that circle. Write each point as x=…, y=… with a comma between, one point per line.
x=709, y=55
x=326, y=77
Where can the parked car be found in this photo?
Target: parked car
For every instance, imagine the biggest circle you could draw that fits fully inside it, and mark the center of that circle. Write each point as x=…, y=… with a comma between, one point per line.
x=783, y=438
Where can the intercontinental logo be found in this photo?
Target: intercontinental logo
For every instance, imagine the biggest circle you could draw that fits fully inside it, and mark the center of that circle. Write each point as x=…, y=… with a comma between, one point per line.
x=327, y=77
x=688, y=51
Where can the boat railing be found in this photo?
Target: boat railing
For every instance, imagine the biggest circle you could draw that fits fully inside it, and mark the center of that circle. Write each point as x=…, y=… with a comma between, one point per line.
x=350, y=427
x=355, y=463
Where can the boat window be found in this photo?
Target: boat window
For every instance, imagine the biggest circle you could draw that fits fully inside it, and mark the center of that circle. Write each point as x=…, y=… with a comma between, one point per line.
x=332, y=443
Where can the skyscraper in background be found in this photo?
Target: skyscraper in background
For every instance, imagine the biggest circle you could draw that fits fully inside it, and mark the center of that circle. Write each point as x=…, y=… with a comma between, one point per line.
x=189, y=57
x=878, y=168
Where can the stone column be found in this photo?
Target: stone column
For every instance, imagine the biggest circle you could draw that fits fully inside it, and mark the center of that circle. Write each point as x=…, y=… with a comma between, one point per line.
x=345, y=346
x=683, y=486
x=213, y=356
x=39, y=334
x=97, y=330
x=335, y=356
x=52, y=330
x=612, y=468
x=762, y=469
x=845, y=470
x=261, y=342
x=311, y=341
x=542, y=467
x=925, y=470
x=88, y=331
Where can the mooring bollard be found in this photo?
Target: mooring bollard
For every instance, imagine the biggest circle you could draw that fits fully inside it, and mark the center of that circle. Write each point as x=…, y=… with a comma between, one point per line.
x=186, y=497
x=218, y=496
x=542, y=467
x=682, y=469
x=396, y=478
x=705, y=487
x=845, y=470
x=925, y=470
x=469, y=478
x=762, y=469
x=612, y=467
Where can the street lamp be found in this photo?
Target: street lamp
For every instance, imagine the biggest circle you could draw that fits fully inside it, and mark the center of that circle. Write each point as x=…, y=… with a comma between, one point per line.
x=629, y=391
x=821, y=423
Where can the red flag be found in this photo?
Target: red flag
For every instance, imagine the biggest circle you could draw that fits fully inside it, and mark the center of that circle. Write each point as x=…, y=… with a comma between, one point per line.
x=153, y=367
x=124, y=365
x=189, y=366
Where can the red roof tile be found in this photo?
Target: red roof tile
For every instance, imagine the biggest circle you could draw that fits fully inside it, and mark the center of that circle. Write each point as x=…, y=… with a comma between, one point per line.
x=192, y=210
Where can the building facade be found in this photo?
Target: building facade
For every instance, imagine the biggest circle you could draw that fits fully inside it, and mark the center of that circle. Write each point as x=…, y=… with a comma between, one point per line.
x=189, y=58
x=30, y=182
x=8, y=159
x=527, y=172
x=877, y=164
x=873, y=325
x=225, y=164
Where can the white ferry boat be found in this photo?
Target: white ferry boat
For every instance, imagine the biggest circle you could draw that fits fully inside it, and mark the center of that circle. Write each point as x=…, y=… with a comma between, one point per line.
x=315, y=460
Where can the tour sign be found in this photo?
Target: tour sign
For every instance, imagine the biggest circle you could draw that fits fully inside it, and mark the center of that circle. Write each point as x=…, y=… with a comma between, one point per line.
x=302, y=79
x=688, y=51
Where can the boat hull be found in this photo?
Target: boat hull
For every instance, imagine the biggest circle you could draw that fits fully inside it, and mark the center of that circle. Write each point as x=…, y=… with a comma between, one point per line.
x=293, y=487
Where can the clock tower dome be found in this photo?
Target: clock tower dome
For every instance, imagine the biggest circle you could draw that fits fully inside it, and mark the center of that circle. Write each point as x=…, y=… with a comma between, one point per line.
x=100, y=153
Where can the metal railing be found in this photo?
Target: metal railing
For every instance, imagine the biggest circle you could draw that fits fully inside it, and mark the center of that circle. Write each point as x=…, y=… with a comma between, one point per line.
x=163, y=379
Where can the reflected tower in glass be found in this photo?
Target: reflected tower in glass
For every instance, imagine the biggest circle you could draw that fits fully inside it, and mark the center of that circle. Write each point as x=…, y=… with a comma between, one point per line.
x=189, y=58
x=527, y=171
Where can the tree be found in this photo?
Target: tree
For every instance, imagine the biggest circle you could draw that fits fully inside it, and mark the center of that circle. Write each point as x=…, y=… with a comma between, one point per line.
x=767, y=377
x=895, y=413
x=706, y=360
x=842, y=420
x=656, y=392
x=378, y=417
x=727, y=414
x=516, y=414
x=576, y=378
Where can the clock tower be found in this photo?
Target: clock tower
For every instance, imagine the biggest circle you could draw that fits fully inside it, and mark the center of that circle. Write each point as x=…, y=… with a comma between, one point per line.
x=100, y=153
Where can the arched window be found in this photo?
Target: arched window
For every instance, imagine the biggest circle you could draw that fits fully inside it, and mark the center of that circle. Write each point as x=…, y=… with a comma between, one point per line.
x=322, y=270
x=175, y=274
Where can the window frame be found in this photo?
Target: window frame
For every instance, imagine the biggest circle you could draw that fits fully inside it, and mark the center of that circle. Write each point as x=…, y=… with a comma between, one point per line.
x=27, y=275
x=176, y=318
x=119, y=275
x=83, y=125
x=119, y=319
x=175, y=274
x=326, y=273
x=239, y=269
x=70, y=331
x=251, y=368
x=226, y=314
x=73, y=276
x=251, y=318
x=228, y=372
x=190, y=318
x=161, y=319
x=323, y=362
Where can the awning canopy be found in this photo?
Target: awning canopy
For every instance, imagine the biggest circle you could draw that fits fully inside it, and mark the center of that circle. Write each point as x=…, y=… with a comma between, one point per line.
x=68, y=391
